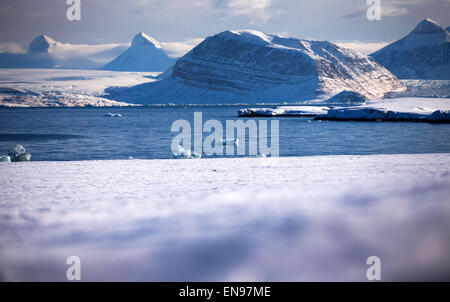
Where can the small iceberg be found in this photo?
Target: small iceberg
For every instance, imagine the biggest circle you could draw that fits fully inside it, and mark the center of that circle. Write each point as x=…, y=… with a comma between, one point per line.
x=227, y=142
x=5, y=159
x=18, y=154
x=113, y=114
x=185, y=154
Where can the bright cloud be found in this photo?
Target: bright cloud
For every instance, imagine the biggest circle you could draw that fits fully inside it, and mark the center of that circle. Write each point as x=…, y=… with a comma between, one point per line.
x=363, y=47
x=114, y=21
x=257, y=10
x=179, y=49
x=11, y=48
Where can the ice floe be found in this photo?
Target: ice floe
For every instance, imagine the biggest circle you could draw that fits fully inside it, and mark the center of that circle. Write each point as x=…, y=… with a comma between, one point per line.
x=5, y=158
x=113, y=114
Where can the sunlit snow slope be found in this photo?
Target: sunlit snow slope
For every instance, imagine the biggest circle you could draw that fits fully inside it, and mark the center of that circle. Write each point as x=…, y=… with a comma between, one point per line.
x=145, y=54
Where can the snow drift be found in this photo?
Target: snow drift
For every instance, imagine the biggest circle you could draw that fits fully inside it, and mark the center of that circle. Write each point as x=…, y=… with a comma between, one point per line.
x=250, y=67
x=422, y=54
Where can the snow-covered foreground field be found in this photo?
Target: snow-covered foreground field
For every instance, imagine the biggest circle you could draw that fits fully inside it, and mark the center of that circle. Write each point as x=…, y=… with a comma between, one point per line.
x=64, y=88
x=253, y=219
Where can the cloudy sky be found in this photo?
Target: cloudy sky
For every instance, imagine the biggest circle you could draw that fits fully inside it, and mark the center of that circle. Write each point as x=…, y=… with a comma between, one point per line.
x=117, y=21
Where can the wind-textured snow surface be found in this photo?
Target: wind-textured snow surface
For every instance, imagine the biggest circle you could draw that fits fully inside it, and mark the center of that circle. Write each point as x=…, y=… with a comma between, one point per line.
x=243, y=219
x=402, y=109
x=422, y=54
x=253, y=67
x=63, y=88
x=145, y=54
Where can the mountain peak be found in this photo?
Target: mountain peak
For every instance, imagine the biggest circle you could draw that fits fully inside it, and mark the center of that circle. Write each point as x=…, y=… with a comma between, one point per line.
x=145, y=54
x=273, y=40
x=250, y=66
x=142, y=39
x=426, y=27
x=422, y=54
x=41, y=43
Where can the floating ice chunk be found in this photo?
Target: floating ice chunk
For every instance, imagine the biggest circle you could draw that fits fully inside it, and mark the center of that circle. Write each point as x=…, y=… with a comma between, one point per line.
x=19, y=154
x=226, y=142
x=196, y=155
x=113, y=114
x=5, y=158
x=23, y=157
x=18, y=149
x=259, y=155
x=183, y=153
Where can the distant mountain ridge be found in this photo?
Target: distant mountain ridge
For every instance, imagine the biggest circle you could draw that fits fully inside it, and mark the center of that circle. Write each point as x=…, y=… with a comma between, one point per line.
x=423, y=54
x=44, y=52
x=145, y=54
x=251, y=67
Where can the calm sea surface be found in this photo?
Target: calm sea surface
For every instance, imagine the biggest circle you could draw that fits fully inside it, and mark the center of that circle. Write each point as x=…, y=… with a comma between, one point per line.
x=144, y=133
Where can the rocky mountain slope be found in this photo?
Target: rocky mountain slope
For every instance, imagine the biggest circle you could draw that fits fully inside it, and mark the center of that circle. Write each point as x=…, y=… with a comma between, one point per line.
x=253, y=67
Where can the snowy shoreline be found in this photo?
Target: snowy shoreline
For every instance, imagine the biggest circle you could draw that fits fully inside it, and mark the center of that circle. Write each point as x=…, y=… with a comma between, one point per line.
x=227, y=219
x=431, y=110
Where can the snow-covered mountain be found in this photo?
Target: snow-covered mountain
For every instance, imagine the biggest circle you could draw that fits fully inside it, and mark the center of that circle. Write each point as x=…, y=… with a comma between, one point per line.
x=251, y=67
x=145, y=54
x=44, y=52
x=423, y=54
x=42, y=44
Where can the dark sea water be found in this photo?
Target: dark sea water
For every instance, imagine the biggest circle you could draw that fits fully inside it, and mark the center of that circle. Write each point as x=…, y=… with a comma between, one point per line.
x=144, y=133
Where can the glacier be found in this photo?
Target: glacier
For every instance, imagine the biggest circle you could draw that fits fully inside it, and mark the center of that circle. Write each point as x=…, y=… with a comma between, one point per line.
x=252, y=67
x=36, y=87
